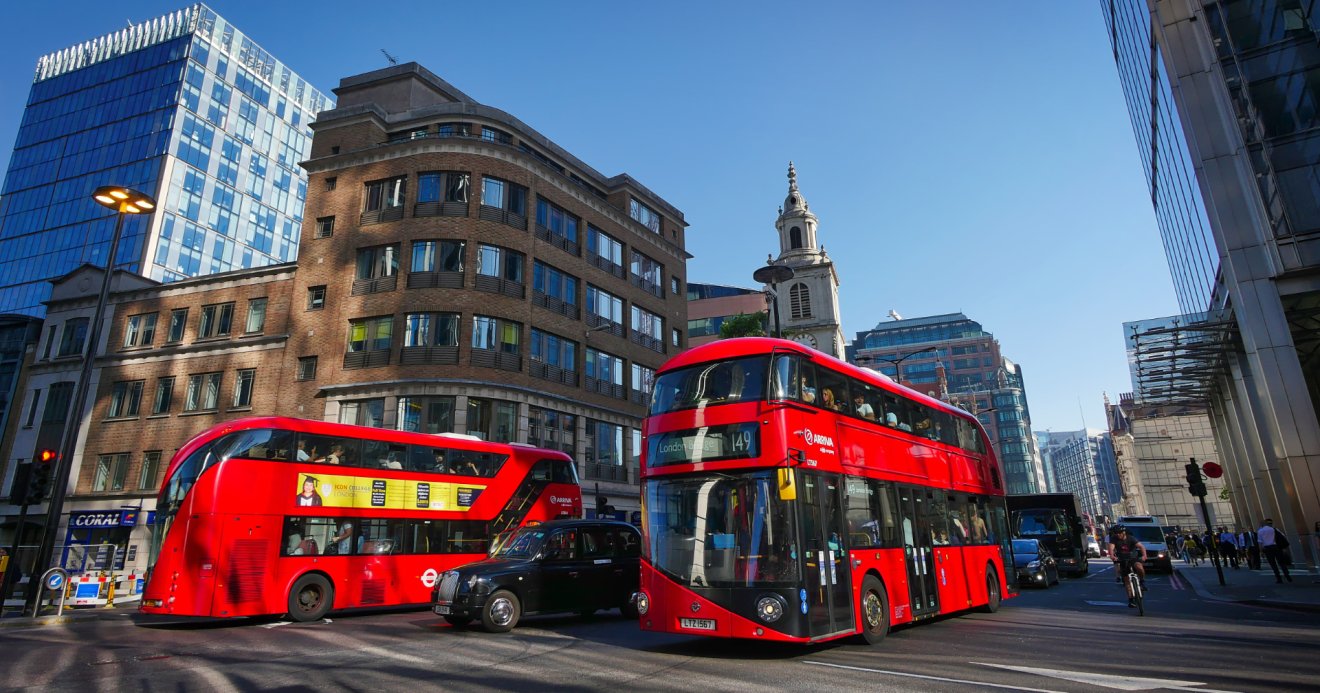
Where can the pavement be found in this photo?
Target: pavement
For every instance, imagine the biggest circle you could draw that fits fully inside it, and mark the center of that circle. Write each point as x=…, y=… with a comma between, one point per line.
x=1255, y=587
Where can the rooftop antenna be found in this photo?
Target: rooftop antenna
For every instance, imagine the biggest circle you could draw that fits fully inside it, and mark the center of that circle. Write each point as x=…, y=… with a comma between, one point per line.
x=393, y=60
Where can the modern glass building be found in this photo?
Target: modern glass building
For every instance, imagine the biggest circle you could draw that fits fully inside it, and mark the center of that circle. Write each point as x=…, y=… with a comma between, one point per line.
x=184, y=108
x=1222, y=95
x=951, y=357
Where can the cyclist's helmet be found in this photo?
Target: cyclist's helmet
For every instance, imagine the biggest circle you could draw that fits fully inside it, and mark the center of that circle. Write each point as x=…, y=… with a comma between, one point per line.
x=1119, y=529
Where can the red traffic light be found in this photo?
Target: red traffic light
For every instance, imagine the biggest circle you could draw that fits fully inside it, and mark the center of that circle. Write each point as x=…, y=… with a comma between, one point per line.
x=46, y=456
x=1212, y=470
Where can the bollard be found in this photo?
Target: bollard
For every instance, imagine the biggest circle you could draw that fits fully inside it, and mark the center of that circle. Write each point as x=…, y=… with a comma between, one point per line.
x=110, y=594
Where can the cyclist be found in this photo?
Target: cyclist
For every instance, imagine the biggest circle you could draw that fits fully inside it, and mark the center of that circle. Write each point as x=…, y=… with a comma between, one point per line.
x=1126, y=552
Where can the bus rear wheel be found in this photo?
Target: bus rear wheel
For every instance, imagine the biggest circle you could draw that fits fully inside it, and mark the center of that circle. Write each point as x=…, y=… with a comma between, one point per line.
x=993, y=595
x=501, y=612
x=310, y=598
x=875, y=611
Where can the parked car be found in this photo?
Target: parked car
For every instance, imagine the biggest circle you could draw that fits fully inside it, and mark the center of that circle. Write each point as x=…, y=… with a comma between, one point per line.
x=576, y=566
x=1092, y=547
x=1034, y=563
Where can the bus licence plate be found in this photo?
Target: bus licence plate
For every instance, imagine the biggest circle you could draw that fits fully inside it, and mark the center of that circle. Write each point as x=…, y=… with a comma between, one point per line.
x=442, y=610
x=697, y=623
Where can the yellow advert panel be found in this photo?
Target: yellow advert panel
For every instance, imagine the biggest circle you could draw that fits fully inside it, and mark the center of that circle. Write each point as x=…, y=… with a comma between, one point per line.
x=339, y=491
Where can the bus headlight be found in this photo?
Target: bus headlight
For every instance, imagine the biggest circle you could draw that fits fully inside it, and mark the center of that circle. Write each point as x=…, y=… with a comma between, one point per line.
x=770, y=608
x=643, y=604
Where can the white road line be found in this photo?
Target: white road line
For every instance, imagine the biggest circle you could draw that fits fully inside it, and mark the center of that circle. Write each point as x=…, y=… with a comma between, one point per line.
x=1122, y=683
x=934, y=678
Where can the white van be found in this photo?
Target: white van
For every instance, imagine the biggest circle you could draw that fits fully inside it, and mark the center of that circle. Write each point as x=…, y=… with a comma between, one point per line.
x=1148, y=530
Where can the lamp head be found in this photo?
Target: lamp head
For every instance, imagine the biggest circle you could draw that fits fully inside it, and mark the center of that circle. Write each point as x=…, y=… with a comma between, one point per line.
x=124, y=200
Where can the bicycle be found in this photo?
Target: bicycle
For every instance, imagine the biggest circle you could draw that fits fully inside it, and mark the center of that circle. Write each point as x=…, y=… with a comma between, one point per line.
x=1134, y=587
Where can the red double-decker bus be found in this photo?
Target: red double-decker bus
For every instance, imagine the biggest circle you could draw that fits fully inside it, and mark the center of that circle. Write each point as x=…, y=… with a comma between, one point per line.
x=278, y=515
x=791, y=496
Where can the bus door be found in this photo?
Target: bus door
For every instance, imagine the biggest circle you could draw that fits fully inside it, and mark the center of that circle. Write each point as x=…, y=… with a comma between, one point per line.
x=827, y=574
x=918, y=550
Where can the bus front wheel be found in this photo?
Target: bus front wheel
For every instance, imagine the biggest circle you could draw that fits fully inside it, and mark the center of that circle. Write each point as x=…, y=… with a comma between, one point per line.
x=992, y=593
x=875, y=611
x=310, y=598
x=501, y=612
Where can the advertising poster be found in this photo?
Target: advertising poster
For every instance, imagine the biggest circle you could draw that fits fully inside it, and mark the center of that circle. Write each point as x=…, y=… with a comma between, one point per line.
x=339, y=491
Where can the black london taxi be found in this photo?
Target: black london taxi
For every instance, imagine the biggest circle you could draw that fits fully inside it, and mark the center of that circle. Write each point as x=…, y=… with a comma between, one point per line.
x=576, y=566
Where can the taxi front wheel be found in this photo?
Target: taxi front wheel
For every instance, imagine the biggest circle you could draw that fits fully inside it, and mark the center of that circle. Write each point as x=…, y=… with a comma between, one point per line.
x=501, y=612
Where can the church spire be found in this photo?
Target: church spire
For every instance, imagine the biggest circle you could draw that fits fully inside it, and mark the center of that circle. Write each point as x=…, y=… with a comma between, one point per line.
x=794, y=202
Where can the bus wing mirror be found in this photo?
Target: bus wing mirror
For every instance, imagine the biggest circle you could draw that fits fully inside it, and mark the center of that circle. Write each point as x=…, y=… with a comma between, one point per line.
x=787, y=485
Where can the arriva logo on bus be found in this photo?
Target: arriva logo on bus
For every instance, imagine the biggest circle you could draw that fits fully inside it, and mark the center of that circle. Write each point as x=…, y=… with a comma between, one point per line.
x=817, y=438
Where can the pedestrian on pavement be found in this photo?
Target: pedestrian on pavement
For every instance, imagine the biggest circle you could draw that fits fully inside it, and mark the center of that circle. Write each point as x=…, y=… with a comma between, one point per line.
x=1272, y=544
x=1228, y=546
x=1190, y=554
x=1252, y=548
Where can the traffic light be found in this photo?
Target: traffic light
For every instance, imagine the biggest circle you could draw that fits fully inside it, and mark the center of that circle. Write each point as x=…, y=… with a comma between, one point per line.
x=601, y=502
x=39, y=481
x=1195, y=483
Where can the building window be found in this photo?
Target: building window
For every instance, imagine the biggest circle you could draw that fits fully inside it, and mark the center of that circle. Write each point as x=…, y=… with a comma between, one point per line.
x=57, y=403
x=331, y=182
x=493, y=261
x=370, y=334
x=794, y=238
x=363, y=412
x=647, y=274
x=605, y=372
x=32, y=408
x=430, y=329
x=674, y=286
x=492, y=419
x=164, y=396
x=604, y=305
x=454, y=130
x=315, y=297
x=307, y=368
x=111, y=472
x=635, y=449
x=556, y=225
x=216, y=320
x=325, y=227
x=256, y=316
x=677, y=337
x=502, y=194
x=243, y=387
x=643, y=380
x=178, y=320
x=604, y=443
x=437, y=256
x=140, y=330
x=71, y=340
x=379, y=261
x=496, y=334
x=799, y=301
x=554, y=430
x=426, y=414
x=444, y=186
x=125, y=398
x=50, y=342
x=493, y=135
x=203, y=392
x=647, y=329
x=548, y=281
x=147, y=476
x=554, y=350
x=644, y=215
x=604, y=246
x=385, y=195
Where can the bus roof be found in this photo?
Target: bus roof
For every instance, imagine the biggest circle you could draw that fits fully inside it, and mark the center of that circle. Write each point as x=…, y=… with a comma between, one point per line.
x=723, y=349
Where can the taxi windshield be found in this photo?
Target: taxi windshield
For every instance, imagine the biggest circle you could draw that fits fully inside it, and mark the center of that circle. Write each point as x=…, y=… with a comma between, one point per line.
x=525, y=543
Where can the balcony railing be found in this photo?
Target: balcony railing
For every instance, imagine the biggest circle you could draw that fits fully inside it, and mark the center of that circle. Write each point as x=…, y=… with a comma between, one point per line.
x=502, y=216
x=498, y=285
x=647, y=285
x=639, y=397
x=440, y=209
x=435, y=280
x=564, y=243
x=606, y=264
x=603, y=387
x=378, y=215
x=490, y=358
x=554, y=304
x=429, y=356
x=556, y=374
x=647, y=341
x=362, y=287
x=367, y=359
x=604, y=324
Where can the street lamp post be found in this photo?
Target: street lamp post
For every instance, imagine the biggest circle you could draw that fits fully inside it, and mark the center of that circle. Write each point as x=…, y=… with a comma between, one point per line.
x=124, y=201
x=774, y=274
x=898, y=372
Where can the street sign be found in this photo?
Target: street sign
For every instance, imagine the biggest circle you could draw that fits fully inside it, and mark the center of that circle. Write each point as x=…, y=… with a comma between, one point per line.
x=1212, y=470
x=55, y=579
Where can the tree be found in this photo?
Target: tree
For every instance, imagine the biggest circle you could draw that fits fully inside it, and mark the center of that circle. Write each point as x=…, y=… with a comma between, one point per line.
x=743, y=325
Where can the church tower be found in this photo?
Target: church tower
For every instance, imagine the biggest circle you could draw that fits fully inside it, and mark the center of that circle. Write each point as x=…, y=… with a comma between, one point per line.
x=809, y=302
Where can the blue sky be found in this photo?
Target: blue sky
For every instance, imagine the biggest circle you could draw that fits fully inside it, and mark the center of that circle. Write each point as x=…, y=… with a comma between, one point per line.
x=961, y=156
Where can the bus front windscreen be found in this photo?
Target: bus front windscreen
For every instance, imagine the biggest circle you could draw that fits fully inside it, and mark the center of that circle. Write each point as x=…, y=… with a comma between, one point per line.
x=707, y=384
x=721, y=531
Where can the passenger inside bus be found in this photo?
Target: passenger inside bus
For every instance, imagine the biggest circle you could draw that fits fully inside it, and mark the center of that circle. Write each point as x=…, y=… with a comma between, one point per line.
x=827, y=399
x=808, y=392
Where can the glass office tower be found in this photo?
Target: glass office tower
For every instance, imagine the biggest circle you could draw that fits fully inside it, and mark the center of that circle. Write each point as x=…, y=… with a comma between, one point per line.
x=184, y=108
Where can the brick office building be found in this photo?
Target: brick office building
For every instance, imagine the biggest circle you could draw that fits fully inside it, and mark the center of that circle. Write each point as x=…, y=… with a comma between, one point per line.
x=461, y=272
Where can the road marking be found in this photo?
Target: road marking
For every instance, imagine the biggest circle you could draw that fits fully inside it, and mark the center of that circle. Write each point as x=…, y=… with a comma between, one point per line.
x=1122, y=683
x=276, y=624
x=1098, y=603
x=1176, y=582
x=933, y=678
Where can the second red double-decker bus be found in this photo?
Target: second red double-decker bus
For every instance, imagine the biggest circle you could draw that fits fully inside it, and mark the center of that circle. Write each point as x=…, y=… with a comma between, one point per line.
x=791, y=496
x=277, y=515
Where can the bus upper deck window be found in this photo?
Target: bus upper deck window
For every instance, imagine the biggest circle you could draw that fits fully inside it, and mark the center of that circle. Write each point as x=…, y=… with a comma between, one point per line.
x=784, y=382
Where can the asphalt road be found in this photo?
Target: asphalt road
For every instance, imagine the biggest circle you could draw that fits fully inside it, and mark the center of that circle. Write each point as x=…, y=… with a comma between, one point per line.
x=1078, y=636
